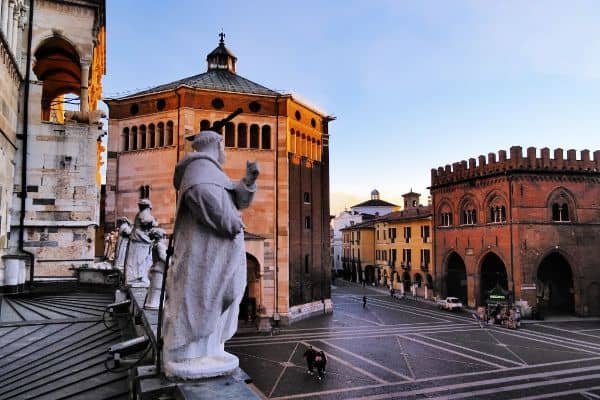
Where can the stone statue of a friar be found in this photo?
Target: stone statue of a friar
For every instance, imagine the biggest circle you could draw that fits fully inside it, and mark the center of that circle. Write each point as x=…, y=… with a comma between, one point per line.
x=159, y=259
x=208, y=277
x=139, y=250
x=124, y=230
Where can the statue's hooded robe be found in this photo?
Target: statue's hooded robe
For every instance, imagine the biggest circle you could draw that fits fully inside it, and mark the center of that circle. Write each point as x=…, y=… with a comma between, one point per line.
x=209, y=269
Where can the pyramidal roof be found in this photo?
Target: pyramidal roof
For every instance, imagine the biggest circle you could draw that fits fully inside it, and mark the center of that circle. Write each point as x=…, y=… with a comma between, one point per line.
x=220, y=76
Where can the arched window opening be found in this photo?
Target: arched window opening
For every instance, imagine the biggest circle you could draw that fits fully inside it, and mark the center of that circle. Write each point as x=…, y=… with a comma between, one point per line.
x=242, y=139
x=134, y=138
x=170, y=133
x=303, y=148
x=142, y=137
x=469, y=214
x=445, y=216
x=58, y=66
x=151, y=136
x=496, y=210
x=125, y=140
x=230, y=135
x=266, y=137
x=292, y=141
x=254, y=136
x=144, y=192
x=161, y=134
x=306, y=264
x=204, y=125
x=560, y=212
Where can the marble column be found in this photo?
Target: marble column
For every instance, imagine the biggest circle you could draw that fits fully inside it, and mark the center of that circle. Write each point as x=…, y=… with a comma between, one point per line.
x=3, y=10
x=16, y=28
x=4, y=17
x=9, y=25
x=83, y=98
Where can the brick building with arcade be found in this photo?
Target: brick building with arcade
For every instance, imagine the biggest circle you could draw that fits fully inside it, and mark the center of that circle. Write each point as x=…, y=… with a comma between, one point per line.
x=526, y=223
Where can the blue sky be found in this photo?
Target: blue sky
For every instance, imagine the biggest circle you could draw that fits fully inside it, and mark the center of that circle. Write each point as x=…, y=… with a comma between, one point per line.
x=414, y=84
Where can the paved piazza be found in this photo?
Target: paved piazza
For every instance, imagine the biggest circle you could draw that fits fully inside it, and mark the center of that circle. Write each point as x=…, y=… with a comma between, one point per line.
x=404, y=349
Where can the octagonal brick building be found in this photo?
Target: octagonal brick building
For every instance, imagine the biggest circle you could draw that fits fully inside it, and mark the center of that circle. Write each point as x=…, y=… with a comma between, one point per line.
x=287, y=226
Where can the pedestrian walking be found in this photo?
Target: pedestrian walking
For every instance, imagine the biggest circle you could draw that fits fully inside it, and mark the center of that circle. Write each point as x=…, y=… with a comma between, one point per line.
x=364, y=301
x=320, y=363
x=310, y=355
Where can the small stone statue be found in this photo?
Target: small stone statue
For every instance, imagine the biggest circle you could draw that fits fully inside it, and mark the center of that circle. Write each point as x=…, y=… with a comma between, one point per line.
x=207, y=280
x=124, y=229
x=159, y=259
x=139, y=251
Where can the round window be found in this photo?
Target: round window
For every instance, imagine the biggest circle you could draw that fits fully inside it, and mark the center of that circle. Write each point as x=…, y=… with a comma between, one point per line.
x=298, y=115
x=313, y=123
x=217, y=103
x=134, y=109
x=254, y=106
x=160, y=104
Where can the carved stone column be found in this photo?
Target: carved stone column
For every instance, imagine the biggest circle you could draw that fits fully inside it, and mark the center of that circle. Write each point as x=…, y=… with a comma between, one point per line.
x=83, y=97
x=3, y=15
x=8, y=32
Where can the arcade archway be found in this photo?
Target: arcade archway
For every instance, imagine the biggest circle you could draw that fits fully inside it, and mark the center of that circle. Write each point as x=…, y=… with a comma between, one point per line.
x=555, y=281
x=252, y=293
x=493, y=273
x=369, y=274
x=406, y=281
x=456, y=277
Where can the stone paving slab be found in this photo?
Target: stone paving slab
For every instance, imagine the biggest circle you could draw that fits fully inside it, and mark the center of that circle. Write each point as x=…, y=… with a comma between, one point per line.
x=411, y=350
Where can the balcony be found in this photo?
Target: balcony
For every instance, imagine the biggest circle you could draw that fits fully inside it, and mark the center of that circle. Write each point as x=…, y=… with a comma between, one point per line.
x=425, y=267
x=406, y=265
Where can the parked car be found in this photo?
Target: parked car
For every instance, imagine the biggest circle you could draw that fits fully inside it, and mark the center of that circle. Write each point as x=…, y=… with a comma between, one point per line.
x=450, y=304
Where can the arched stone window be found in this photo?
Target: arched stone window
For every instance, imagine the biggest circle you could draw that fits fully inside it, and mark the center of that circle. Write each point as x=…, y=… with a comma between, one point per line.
x=242, y=136
x=230, y=135
x=496, y=209
x=134, y=138
x=142, y=137
x=161, y=134
x=151, y=136
x=292, y=141
x=445, y=215
x=59, y=69
x=468, y=213
x=254, y=136
x=318, y=157
x=125, y=140
x=266, y=137
x=170, y=133
x=204, y=125
x=562, y=206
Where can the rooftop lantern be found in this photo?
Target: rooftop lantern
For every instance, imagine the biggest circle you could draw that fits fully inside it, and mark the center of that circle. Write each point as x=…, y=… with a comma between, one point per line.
x=221, y=58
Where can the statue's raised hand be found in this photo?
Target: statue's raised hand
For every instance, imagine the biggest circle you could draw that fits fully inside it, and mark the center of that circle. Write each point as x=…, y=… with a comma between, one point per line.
x=252, y=172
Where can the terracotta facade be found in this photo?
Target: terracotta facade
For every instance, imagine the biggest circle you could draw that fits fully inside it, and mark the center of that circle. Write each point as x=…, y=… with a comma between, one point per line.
x=288, y=139
x=526, y=223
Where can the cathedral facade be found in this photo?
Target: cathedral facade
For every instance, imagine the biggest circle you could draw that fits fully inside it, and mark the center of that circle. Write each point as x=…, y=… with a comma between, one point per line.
x=287, y=226
x=53, y=60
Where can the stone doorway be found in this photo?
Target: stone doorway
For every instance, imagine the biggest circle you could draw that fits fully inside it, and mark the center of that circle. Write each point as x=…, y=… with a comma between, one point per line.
x=456, y=277
x=555, y=285
x=251, y=297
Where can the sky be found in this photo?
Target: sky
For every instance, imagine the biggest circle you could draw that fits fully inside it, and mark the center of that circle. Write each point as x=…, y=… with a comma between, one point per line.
x=413, y=85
